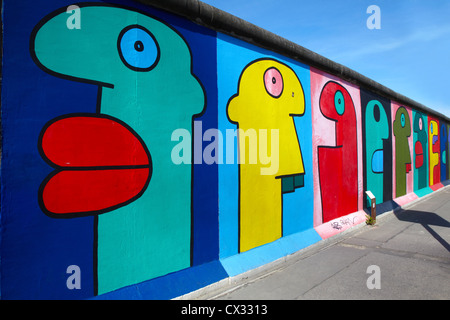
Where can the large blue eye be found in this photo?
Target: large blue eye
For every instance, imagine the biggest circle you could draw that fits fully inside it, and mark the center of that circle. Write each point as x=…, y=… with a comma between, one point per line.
x=138, y=48
x=339, y=103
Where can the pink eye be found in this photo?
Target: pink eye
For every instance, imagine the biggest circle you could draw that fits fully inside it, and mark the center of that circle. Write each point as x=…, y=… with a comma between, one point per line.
x=273, y=82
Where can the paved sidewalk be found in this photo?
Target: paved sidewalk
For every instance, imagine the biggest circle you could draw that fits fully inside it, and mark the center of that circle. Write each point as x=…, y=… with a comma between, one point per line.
x=411, y=247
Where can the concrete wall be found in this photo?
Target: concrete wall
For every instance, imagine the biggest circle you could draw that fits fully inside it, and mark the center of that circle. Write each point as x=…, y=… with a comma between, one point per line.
x=147, y=156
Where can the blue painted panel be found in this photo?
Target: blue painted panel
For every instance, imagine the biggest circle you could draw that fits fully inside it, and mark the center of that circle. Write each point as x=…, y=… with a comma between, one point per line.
x=262, y=255
x=31, y=98
x=36, y=249
x=232, y=57
x=172, y=285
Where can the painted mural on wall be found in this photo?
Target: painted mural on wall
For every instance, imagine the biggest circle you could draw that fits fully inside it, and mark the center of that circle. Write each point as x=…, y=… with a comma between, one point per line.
x=89, y=183
x=447, y=149
x=420, y=129
x=434, y=151
x=338, y=164
x=109, y=194
x=444, y=152
x=116, y=159
x=262, y=103
x=402, y=150
x=377, y=137
x=337, y=147
x=269, y=96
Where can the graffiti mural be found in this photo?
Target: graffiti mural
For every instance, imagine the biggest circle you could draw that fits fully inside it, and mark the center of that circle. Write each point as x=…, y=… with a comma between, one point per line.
x=377, y=146
x=434, y=151
x=269, y=188
x=104, y=189
x=336, y=144
x=338, y=164
x=420, y=129
x=402, y=136
x=114, y=160
x=276, y=155
x=444, y=152
x=448, y=151
x=269, y=96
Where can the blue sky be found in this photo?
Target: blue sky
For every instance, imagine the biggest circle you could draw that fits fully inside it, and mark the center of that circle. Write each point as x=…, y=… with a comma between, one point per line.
x=409, y=54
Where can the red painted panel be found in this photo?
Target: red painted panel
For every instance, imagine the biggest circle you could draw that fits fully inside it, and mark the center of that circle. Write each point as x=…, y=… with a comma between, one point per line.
x=338, y=165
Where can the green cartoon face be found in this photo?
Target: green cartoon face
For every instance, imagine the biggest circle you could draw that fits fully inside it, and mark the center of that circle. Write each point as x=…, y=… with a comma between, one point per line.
x=402, y=130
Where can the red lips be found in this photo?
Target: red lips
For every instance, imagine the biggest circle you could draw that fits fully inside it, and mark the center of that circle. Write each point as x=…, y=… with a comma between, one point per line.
x=101, y=164
x=419, y=154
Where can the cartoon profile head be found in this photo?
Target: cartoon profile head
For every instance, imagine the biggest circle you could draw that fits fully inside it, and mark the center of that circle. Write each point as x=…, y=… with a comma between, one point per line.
x=143, y=69
x=444, y=152
x=433, y=136
x=402, y=131
x=434, y=150
x=420, y=147
x=377, y=130
x=137, y=56
x=419, y=126
x=337, y=105
x=269, y=96
x=338, y=163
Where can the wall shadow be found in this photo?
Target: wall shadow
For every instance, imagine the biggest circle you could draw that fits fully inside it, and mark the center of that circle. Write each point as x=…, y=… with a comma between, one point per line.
x=426, y=219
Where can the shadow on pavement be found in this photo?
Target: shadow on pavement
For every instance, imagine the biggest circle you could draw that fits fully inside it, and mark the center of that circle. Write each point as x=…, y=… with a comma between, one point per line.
x=426, y=219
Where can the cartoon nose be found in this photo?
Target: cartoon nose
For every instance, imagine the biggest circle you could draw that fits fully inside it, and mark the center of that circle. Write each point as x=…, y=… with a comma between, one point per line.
x=297, y=107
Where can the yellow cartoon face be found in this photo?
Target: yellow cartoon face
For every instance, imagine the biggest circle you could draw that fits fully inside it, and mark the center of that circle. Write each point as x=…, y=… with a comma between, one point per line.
x=433, y=145
x=269, y=96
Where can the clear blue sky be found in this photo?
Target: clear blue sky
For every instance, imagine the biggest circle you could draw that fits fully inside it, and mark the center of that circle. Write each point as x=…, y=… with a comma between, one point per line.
x=410, y=54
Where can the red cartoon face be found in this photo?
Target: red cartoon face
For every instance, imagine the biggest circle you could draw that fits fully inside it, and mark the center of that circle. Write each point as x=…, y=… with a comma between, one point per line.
x=338, y=164
x=337, y=105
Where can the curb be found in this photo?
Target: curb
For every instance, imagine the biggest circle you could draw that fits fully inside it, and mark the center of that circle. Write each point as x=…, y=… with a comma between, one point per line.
x=230, y=284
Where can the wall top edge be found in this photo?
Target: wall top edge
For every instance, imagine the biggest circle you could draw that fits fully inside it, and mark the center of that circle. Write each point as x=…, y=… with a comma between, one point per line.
x=221, y=21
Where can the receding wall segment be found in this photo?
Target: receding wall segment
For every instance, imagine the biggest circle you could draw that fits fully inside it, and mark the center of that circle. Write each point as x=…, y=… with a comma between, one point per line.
x=157, y=150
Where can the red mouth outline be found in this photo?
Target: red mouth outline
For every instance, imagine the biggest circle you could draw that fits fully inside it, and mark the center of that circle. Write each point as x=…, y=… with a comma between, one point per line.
x=418, y=149
x=85, y=178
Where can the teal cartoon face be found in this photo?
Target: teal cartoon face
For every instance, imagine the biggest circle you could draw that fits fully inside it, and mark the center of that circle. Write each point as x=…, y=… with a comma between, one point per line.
x=377, y=130
x=420, y=151
x=122, y=171
x=119, y=49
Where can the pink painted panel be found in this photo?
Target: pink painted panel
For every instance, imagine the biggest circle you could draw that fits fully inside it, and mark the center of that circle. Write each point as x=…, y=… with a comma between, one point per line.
x=340, y=224
x=331, y=140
